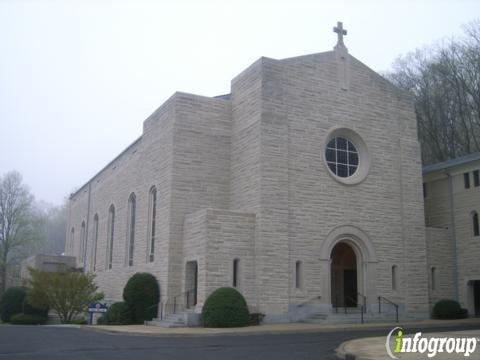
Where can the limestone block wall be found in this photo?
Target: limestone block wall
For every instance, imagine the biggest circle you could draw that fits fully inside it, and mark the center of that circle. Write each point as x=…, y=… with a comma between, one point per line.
x=231, y=235
x=440, y=256
x=245, y=147
x=302, y=100
x=195, y=249
x=146, y=163
x=215, y=238
x=201, y=167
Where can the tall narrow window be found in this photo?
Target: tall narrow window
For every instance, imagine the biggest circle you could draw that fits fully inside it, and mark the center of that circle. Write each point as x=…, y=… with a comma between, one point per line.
x=81, y=255
x=95, y=241
x=476, y=178
x=111, y=228
x=394, y=277
x=433, y=277
x=466, y=180
x=476, y=229
x=131, y=228
x=424, y=190
x=152, y=210
x=298, y=274
x=72, y=238
x=236, y=270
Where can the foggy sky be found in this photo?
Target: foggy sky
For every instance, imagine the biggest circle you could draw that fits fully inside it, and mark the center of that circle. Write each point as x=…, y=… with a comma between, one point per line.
x=77, y=78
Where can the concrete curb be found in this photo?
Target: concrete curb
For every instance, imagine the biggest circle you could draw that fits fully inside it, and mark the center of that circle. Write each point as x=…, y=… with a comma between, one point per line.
x=293, y=328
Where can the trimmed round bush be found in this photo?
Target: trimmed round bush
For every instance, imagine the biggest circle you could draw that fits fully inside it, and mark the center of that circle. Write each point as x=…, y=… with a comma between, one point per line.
x=28, y=319
x=142, y=295
x=118, y=313
x=446, y=309
x=225, y=307
x=12, y=302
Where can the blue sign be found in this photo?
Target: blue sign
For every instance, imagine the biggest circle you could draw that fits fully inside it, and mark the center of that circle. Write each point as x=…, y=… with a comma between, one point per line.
x=97, y=308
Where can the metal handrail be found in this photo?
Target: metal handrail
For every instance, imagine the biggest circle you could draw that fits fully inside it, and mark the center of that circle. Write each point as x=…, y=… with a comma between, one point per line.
x=308, y=300
x=389, y=301
x=345, y=298
x=172, y=302
x=364, y=307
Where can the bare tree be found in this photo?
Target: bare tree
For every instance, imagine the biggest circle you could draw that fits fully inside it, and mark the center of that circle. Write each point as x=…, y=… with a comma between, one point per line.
x=445, y=81
x=16, y=225
x=53, y=227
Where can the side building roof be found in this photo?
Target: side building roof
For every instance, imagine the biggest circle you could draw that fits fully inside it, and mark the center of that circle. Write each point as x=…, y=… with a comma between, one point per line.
x=451, y=163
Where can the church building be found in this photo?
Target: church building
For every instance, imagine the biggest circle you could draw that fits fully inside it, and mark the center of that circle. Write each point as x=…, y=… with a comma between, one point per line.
x=302, y=188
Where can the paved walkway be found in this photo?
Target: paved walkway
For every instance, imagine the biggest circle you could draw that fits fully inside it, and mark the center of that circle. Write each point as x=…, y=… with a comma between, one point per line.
x=375, y=347
x=274, y=328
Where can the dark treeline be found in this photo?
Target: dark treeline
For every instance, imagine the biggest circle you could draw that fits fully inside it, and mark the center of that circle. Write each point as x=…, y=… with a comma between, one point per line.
x=445, y=81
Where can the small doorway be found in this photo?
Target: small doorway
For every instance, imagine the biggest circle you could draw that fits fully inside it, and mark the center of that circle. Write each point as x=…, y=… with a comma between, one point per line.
x=344, y=280
x=476, y=297
x=191, y=282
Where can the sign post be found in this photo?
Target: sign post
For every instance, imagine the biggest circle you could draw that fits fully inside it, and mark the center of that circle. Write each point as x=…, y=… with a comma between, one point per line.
x=95, y=308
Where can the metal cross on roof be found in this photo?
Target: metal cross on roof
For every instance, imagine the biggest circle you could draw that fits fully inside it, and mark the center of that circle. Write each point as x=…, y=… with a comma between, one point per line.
x=340, y=32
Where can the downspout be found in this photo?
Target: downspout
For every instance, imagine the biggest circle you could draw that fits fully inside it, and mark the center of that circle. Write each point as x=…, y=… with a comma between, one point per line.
x=454, y=234
x=86, y=229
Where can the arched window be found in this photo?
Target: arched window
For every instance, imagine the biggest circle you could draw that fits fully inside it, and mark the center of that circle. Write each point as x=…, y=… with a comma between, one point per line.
x=476, y=229
x=110, y=235
x=433, y=277
x=152, y=214
x=72, y=238
x=236, y=273
x=298, y=274
x=394, y=277
x=81, y=255
x=95, y=241
x=131, y=228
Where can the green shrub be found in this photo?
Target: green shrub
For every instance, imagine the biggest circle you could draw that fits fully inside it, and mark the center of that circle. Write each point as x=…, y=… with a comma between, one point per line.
x=446, y=309
x=102, y=320
x=118, y=313
x=28, y=319
x=79, y=322
x=142, y=295
x=225, y=307
x=12, y=302
x=30, y=310
x=463, y=314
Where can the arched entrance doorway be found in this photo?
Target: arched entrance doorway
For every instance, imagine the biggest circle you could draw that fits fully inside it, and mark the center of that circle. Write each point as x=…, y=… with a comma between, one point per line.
x=344, y=279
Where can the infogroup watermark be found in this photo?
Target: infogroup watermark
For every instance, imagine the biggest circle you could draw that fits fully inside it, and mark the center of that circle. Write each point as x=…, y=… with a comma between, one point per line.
x=429, y=345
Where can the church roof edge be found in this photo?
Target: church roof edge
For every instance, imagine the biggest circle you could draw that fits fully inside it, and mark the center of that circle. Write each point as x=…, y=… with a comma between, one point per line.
x=105, y=167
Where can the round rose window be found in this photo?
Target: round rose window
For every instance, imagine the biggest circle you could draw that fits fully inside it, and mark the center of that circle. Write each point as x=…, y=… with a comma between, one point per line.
x=341, y=156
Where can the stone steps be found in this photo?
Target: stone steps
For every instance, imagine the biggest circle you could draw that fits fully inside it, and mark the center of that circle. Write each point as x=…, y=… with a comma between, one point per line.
x=352, y=316
x=169, y=321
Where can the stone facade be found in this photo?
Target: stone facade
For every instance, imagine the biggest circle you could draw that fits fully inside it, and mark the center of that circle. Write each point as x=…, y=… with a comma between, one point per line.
x=244, y=177
x=51, y=263
x=454, y=248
